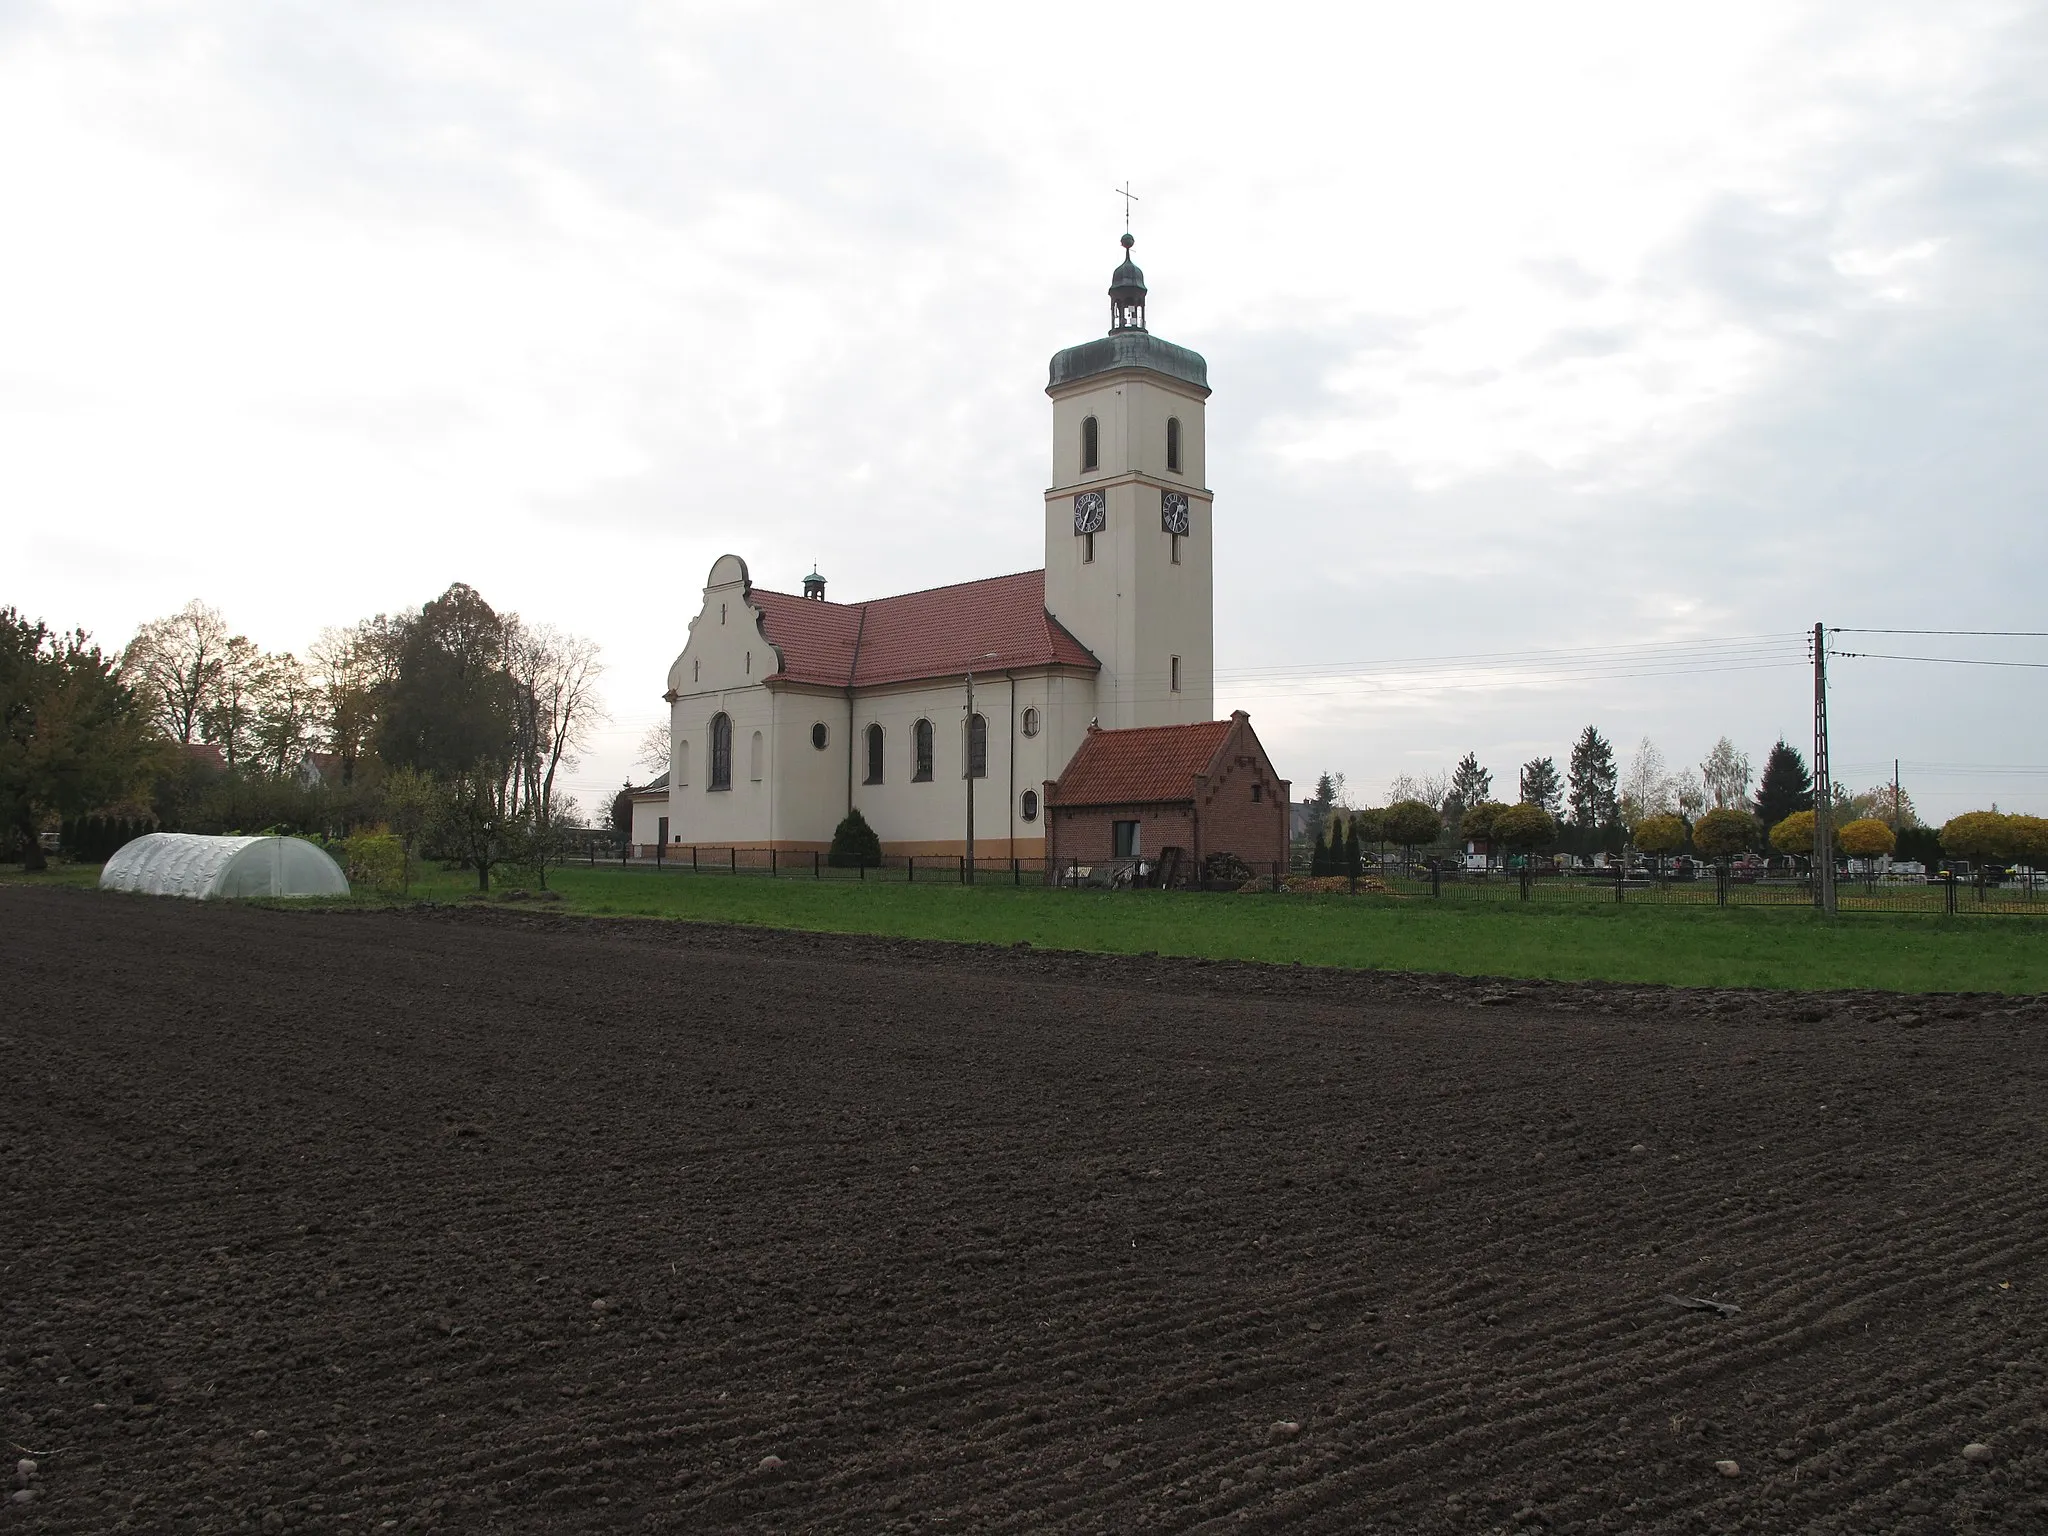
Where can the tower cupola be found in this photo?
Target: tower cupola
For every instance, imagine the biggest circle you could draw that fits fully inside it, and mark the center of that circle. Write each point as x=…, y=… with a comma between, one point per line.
x=1127, y=293
x=814, y=586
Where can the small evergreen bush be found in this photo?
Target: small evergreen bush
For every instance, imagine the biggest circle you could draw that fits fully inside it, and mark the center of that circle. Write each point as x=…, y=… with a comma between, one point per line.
x=854, y=844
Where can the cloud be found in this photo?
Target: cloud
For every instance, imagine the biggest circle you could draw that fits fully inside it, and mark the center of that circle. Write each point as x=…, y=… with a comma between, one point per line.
x=1627, y=325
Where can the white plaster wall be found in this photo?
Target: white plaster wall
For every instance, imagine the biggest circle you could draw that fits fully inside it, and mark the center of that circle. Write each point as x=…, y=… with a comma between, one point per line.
x=808, y=796
x=1133, y=606
x=720, y=670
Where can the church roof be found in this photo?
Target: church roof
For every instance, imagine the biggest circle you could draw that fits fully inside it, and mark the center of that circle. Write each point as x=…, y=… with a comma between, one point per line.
x=979, y=626
x=1128, y=349
x=1140, y=766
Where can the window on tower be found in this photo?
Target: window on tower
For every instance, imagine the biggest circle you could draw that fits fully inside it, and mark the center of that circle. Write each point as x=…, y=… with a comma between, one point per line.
x=1090, y=444
x=1087, y=549
x=921, y=742
x=1173, y=444
x=1176, y=674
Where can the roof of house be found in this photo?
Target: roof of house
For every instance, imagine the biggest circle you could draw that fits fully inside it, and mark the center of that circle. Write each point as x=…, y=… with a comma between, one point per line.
x=977, y=626
x=654, y=786
x=1149, y=763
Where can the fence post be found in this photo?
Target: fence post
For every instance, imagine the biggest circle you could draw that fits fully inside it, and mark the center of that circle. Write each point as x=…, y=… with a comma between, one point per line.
x=1620, y=883
x=1436, y=878
x=1279, y=872
x=771, y=861
x=658, y=847
x=1016, y=871
x=693, y=858
x=1525, y=882
x=861, y=860
x=1721, y=886
x=910, y=869
x=963, y=869
x=817, y=865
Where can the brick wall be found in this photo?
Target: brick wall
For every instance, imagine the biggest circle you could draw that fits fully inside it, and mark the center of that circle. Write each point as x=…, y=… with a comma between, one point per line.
x=1087, y=832
x=1229, y=819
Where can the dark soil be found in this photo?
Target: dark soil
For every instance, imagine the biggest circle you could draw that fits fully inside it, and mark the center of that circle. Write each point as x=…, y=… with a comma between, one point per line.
x=509, y=1221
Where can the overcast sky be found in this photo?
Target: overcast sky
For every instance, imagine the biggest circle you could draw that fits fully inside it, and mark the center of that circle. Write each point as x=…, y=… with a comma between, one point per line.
x=1532, y=329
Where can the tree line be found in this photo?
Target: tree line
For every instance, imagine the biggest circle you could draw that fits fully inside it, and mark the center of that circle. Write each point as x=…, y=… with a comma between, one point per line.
x=448, y=727
x=1596, y=806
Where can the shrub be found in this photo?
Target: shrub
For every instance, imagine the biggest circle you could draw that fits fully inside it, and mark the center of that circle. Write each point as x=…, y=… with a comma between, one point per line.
x=1660, y=834
x=374, y=859
x=854, y=844
x=1524, y=828
x=1794, y=834
x=1866, y=838
x=1980, y=835
x=1410, y=822
x=1722, y=833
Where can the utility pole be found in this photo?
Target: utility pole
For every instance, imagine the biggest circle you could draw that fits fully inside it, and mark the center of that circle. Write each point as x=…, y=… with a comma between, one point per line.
x=970, y=779
x=1823, y=786
x=1897, y=820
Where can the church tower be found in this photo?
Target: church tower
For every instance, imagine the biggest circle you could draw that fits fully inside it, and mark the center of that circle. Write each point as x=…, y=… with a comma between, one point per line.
x=1128, y=533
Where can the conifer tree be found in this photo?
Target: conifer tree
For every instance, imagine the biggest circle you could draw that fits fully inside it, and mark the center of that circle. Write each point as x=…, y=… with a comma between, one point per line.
x=1319, y=861
x=1594, y=800
x=1786, y=786
x=1353, y=859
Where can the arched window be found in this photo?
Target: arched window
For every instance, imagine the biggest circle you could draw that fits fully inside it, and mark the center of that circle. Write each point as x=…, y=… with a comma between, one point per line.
x=1090, y=439
x=820, y=736
x=921, y=739
x=1028, y=806
x=977, y=746
x=721, y=751
x=1031, y=721
x=874, y=755
x=1173, y=444
x=754, y=758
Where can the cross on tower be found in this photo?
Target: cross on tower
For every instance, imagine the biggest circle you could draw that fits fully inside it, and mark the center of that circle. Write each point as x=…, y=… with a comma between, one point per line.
x=1129, y=198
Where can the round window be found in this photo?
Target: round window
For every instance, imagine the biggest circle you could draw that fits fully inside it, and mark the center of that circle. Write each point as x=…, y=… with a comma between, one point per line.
x=819, y=735
x=1030, y=805
x=1031, y=722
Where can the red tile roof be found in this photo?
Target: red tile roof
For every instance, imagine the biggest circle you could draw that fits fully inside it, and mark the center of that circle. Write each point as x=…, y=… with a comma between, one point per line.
x=981, y=626
x=1149, y=763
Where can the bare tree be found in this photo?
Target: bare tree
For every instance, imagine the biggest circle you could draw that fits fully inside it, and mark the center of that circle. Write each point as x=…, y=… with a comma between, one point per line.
x=1431, y=790
x=228, y=718
x=556, y=674
x=1646, y=787
x=175, y=664
x=1726, y=773
x=656, y=751
x=350, y=668
x=288, y=713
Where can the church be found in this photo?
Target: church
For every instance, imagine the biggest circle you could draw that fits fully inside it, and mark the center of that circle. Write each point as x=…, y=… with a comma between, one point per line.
x=972, y=701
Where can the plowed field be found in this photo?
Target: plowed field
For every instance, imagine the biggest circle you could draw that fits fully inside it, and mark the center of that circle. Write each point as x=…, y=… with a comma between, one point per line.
x=497, y=1221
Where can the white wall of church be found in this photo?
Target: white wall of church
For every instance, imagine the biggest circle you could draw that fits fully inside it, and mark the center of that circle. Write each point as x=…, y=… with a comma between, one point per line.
x=808, y=796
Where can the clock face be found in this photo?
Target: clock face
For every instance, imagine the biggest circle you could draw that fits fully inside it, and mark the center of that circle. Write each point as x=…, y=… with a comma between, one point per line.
x=1173, y=512
x=1090, y=512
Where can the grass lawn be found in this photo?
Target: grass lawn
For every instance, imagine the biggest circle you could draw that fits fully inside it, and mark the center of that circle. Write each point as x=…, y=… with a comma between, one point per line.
x=1773, y=947
x=1788, y=947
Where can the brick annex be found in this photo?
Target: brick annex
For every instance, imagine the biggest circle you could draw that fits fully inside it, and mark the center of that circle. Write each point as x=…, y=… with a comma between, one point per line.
x=1170, y=796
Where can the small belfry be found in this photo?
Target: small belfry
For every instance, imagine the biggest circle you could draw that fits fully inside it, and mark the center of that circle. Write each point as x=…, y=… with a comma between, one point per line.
x=1127, y=293
x=949, y=717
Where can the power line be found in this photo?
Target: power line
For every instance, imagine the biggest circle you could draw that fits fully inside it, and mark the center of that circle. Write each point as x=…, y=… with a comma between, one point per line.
x=2012, y=634
x=1950, y=661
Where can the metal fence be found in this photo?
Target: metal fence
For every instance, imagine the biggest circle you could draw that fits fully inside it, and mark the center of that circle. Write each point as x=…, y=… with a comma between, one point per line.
x=1959, y=895
x=786, y=864
x=1963, y=896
